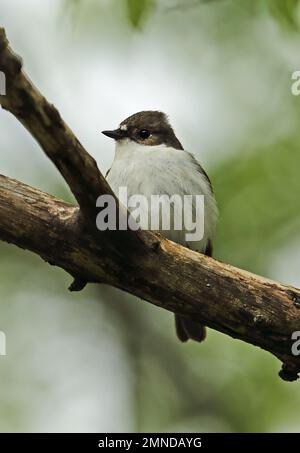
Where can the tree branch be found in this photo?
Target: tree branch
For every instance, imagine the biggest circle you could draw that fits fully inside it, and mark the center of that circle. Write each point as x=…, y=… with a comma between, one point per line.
x=230, y=300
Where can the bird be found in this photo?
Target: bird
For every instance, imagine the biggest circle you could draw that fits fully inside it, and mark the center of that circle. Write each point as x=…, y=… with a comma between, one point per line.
x=150, y=160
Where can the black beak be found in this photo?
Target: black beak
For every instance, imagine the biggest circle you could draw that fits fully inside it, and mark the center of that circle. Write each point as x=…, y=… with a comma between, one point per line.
x=117, y=134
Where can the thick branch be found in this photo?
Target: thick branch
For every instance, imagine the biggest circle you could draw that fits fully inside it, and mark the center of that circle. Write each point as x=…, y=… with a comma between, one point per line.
x=230, y=300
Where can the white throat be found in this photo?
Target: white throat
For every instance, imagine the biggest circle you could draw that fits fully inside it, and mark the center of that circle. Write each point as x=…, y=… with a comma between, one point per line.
x=129, y=149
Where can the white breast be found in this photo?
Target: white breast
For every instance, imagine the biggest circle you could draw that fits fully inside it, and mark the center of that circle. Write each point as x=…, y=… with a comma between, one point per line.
x=158, y=170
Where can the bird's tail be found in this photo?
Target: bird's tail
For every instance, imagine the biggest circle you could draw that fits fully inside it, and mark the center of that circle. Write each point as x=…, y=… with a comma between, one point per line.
x=187, y=329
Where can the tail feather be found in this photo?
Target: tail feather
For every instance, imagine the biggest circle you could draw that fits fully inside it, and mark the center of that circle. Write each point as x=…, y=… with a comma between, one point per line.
x=180, y=330
x=187, y=329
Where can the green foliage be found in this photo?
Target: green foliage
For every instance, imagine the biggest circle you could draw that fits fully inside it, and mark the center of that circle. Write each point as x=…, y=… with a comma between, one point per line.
x=285, y=12
x=138, y=11
x=96, y=12
x=268, y=179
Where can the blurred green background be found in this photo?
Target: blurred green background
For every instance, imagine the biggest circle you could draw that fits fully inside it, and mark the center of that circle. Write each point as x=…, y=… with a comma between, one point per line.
x=102, y=360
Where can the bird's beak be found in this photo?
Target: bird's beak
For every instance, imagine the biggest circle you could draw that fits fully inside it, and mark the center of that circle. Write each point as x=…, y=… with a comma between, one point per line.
x=117, y=134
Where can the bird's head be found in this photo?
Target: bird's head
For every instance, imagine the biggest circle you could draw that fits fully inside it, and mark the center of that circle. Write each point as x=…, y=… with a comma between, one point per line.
x=150, y=128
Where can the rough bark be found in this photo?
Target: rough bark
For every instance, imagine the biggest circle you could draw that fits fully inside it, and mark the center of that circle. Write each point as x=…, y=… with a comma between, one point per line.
x=233, y=301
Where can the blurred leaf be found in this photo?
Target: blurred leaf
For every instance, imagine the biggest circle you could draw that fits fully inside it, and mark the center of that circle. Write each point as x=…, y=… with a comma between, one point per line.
x=258, y=195
x=285, y=12
x=138, y=10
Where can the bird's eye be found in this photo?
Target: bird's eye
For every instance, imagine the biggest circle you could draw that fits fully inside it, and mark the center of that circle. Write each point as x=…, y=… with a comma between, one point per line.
x=144, y=134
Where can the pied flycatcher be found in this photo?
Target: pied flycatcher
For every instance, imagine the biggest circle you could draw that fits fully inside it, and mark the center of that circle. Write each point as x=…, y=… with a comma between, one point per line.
x=150, y=160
